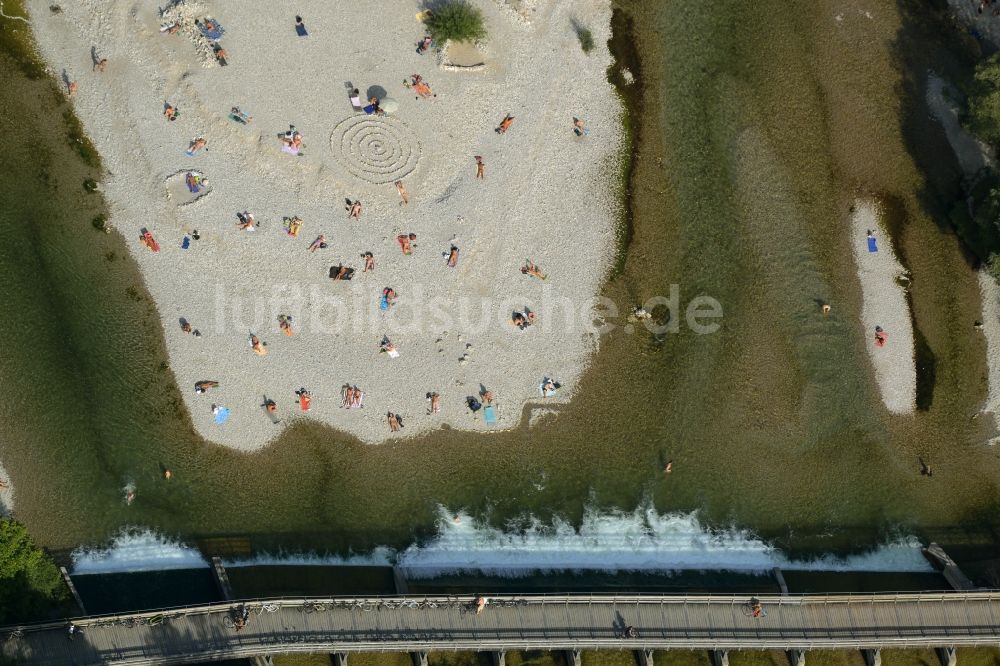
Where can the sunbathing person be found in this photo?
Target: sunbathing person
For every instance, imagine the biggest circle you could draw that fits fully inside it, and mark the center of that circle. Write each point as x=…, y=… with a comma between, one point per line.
x=348, y=396
x=435, y=400
x=170, y=112
x=239, y=116
x=292, y=140
x=194, y=182
x=257, y=346
x=420, y=87
x=285, y=324
x=220, y=54
x=394, y=424
x=373, y=107
x=505, y=124
x=405, y=241
x=246, y=221
x=354, y=210
x=534, y=271
x=292, y=226
x=388, y=348
x=341, y=272
x=369, y=262
x=453, y=257
x=402, y=192
x=196, y=145
x=318, y=244
x=204, y=385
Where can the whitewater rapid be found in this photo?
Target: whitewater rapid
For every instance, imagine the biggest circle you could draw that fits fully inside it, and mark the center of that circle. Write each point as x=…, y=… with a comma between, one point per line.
x=606, y=541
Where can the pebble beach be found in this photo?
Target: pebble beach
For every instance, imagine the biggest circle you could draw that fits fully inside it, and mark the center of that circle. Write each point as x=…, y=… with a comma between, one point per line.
x=547, y=196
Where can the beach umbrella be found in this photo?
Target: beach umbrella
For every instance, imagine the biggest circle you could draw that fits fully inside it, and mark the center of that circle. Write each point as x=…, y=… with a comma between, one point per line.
x=389, y=105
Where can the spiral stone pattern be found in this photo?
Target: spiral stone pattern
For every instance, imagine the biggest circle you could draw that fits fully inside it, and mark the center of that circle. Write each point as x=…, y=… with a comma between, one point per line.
x=377, y=149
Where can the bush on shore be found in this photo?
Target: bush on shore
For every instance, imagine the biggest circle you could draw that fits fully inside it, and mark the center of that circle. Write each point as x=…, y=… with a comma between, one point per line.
x=30, y=584
x=983, y=115
x=455, y=20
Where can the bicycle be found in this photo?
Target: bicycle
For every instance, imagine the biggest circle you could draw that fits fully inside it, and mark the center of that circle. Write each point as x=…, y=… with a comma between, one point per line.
x=15, y=635
x=313, y=607
x=236, y=618
x=753, y=609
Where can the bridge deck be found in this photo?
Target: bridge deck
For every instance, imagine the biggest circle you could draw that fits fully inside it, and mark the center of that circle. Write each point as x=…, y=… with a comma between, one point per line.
x=189, y=635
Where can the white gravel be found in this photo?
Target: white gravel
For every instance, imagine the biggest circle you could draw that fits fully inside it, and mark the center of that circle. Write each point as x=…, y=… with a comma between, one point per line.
x=884, y=305
x=547, y=195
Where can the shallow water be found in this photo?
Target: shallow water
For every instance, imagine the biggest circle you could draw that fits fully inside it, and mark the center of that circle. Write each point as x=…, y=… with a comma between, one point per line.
x=760, y=125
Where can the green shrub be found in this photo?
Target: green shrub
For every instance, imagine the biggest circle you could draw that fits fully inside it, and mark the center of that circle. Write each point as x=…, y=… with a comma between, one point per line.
x=455, y=20
x=30, y=583
x=983, y=115
x=89, y=185
x=992, y=266
x=979, y=228
x=586, y=39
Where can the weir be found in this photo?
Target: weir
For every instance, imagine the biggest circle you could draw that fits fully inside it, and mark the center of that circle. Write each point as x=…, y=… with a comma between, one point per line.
x=569, y=623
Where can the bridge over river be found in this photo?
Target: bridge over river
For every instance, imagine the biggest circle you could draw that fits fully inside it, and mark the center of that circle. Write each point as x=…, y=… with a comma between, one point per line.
x=568, y=622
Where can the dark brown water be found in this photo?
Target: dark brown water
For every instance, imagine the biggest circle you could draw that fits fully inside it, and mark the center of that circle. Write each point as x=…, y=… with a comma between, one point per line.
x=760, y=124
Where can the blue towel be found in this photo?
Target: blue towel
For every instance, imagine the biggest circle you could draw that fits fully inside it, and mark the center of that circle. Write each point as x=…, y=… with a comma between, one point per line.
x=370, y=109
x=212, y=34
x=221, y=415
x=489, y=414
x=300, y=30
x=186, y=243
x=872, y=245
x=384, y=303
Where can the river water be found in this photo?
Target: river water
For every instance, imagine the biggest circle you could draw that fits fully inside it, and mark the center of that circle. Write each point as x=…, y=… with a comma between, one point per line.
x=760, y=122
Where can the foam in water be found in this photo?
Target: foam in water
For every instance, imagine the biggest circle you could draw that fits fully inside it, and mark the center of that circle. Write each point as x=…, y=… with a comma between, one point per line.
x=137, y=550
x=617, y=541
x=379, y=557
x=608, y=541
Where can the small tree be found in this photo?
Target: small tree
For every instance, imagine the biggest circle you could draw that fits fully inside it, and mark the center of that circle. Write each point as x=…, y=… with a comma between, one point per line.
x=30, y=583
x=983, y=117
x=455, y=20
x=992, y=266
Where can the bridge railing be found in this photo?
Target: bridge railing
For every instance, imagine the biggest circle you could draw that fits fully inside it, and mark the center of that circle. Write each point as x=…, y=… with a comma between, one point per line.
x=767, y=600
